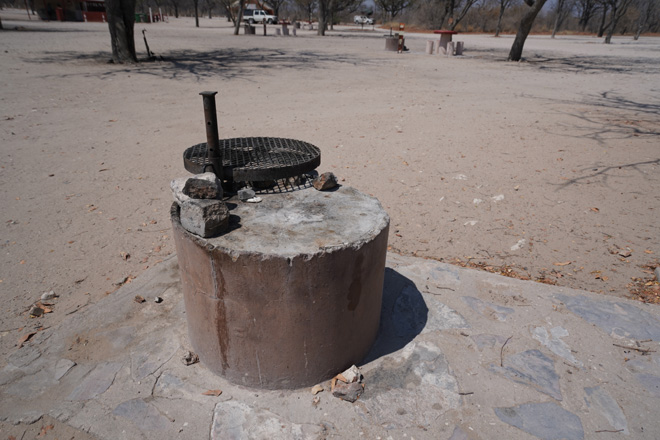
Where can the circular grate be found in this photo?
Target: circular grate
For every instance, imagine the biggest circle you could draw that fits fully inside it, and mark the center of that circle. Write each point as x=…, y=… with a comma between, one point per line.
x=256, y=158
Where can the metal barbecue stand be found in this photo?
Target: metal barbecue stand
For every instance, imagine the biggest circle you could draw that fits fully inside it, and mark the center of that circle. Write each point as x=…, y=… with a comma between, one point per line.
x=237, y=161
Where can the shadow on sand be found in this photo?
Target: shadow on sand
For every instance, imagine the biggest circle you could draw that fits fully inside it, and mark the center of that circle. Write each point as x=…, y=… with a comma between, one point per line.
x=226, y=63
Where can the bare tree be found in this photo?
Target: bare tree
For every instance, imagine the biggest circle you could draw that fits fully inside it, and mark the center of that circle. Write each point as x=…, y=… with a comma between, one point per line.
x=462, y=6
x=121, y=19
x=618, y=9
x=393, y=7
x=196, y=5
x=209, y=5
x=451, y=10
x=239, y=16
x=228, y=7
x=604, y=8
x=587, y=9
x=276, y=4
x=481, y=14
x=175, y=5
x=515, y=54
x=343, y=6
x=647, y=9
x=328, y=9
x=563, y=9
x=307, y=7
x=324, y=7
x=504, y=4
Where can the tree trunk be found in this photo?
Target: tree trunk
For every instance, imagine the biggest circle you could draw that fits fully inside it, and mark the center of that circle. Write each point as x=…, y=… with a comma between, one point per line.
x=196, y=4
x=643, y=20
x=560, y=6
x=610, y=32
x=638, y=32
x=462, y=14
x=121, y=18
x=498, y=28
x=321, y=30
x=176, y=8
x=584, y=21
x=618, y=11
x=585, y=15
x=239, y=16
x=451, y=4
x=209, y=4
x=523, y=30
x=601, y=28
x=325, y=7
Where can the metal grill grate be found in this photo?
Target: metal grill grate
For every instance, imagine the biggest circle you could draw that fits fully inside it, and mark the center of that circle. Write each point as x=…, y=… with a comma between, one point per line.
x=256, y=158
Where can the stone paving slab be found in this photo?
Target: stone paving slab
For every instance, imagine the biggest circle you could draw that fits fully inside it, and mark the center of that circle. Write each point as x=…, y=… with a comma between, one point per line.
x=461, y=354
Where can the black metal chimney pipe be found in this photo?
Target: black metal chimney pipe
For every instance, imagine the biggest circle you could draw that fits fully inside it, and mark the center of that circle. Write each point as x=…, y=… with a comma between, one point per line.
x=213, y=148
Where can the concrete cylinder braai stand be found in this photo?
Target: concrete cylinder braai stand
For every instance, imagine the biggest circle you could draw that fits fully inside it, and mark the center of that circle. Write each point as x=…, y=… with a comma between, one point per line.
x=282, y=289
x=290, y=296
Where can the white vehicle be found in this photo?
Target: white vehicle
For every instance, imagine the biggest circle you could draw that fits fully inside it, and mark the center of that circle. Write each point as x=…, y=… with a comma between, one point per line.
x=362, y=19
x=258, y=16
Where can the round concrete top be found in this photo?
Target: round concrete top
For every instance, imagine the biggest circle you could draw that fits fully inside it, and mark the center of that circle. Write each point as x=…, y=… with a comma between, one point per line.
x=303, y=222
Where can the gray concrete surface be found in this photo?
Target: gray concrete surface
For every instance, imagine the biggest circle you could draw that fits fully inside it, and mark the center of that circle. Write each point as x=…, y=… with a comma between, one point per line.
x=461, y=354
x=303, y=223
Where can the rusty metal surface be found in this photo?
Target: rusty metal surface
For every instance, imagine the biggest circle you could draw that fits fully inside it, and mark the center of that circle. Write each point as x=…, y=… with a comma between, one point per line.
x=256, y=158
x=280, y=322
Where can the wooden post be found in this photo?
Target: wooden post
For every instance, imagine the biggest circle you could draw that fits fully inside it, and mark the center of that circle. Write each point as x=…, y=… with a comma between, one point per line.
x=429, y=47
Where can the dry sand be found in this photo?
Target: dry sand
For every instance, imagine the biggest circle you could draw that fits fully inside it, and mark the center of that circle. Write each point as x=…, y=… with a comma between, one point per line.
x=549, y=166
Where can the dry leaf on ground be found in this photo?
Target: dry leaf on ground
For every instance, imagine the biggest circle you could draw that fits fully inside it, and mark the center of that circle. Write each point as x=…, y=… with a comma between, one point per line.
x=215, y=393
x=43, y=307
x=45, y=429
x=26, y=337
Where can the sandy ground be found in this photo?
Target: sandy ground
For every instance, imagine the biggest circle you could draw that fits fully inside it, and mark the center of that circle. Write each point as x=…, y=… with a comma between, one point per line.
x=550, y=167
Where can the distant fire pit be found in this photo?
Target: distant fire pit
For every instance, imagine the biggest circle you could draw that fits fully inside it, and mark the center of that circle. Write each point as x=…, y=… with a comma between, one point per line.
x=290, y=294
